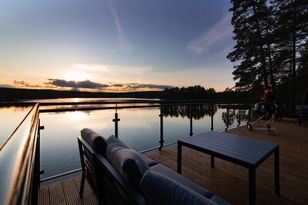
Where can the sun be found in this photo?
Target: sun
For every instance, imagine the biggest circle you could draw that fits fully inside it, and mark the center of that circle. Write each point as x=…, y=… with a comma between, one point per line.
x=75, y=76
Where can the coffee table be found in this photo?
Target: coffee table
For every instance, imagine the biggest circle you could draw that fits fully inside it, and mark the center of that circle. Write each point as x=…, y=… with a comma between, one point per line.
x=245, y=151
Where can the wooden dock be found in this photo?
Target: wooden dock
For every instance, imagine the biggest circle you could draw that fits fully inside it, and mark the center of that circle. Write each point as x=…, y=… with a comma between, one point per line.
x=66, y=192
x=227, y=180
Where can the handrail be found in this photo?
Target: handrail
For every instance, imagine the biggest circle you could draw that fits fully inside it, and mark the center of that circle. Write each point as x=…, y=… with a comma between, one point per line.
x=19, y=162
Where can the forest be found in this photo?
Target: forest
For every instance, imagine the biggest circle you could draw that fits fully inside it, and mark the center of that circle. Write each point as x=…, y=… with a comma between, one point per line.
x=271, y=48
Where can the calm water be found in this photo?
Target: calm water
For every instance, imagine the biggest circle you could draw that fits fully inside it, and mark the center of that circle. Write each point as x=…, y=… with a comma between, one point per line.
x=138, y=127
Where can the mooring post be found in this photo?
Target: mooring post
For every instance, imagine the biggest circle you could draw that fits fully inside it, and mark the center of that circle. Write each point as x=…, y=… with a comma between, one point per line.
x=116, y=121
x=161, y=141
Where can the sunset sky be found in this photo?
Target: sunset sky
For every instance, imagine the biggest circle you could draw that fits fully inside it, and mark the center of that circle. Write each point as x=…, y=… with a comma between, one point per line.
x=115, y=44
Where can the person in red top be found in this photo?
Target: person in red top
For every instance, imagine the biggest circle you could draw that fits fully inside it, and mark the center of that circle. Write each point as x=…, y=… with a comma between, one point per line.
x=271, y=104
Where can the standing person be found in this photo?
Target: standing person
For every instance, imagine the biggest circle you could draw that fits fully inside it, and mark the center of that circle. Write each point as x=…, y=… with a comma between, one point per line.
x=271, y=105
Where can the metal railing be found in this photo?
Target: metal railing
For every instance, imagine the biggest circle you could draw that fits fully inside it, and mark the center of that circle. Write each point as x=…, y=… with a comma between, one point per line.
x=20, y=163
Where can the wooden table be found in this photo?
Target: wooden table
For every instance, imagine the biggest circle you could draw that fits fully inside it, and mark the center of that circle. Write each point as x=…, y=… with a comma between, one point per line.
x=244, y=151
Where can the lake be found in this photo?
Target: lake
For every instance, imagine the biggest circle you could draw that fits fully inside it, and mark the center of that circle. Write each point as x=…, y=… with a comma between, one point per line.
x=138, y=127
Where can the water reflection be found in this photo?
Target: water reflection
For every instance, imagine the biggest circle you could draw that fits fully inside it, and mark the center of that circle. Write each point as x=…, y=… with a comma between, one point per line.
x=10, y=119
x=140, y=128
x=234, y=112
x=195, y=111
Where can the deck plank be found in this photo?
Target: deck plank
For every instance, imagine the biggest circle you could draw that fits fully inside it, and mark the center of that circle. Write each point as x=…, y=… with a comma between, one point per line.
x=88, y=195
x=43, y=197
x=56, y=194
x=71, y=193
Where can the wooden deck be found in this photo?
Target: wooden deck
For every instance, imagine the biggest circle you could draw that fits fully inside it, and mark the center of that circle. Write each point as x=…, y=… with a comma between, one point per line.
x=227, y=180
x=66, y=192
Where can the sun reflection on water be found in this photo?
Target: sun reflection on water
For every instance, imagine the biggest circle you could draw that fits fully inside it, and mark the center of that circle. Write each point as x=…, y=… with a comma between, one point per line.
x=77, y=115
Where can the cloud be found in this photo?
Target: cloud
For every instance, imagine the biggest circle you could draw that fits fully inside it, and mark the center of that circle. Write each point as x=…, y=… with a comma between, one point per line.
x=215, y=34
x=148, y=86
x=86, y=84
x=117, y=20
x=24, y=84
x=6, y=86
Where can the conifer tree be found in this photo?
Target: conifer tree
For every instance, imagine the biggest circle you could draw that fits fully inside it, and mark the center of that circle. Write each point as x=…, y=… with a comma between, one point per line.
x=291, y=35
x=252, y=53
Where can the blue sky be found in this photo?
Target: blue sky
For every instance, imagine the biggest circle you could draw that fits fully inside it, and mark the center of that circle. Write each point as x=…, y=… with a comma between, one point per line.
x=112, y=42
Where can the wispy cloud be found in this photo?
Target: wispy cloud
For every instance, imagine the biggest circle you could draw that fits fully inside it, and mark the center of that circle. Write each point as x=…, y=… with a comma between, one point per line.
x=117, y=21
x=24, y=84
x=138, y=86
x=212, y=36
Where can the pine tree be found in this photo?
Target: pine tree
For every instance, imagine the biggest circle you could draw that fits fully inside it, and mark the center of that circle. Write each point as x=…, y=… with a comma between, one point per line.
x=290, y=38
x=252, y=24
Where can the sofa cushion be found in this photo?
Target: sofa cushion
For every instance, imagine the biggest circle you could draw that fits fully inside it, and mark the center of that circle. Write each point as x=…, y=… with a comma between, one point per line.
x=181, y=179
x=114, y=144
x=129, y=164
x=115, y=141
x=159, y=189
x=97, y=142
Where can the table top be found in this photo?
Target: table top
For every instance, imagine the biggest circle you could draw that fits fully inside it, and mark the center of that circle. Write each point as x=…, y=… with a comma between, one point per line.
x=245, y=151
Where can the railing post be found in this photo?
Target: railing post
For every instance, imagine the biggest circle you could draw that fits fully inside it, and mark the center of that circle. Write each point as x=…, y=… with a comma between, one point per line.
x=249, y=114
x=228, y=121
x=41, y=127
x=161, y=141
x=239, y=118
x=191, y=127
x=116, y=121
x=37, y=166
x=212, y=117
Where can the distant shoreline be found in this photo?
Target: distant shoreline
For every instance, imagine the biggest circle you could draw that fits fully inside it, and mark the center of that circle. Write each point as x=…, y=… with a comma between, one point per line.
x=19, y=96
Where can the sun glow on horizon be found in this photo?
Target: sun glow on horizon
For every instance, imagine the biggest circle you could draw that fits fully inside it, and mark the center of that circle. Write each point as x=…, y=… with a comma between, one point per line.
x=76, y=76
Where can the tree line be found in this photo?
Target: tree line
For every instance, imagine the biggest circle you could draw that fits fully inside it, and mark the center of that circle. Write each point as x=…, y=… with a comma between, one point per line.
x=271, y=47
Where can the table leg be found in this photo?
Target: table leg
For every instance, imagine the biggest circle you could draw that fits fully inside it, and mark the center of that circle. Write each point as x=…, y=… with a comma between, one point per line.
x=212, y=161
x=277, y=172
x=179, y=158
x=252, y=186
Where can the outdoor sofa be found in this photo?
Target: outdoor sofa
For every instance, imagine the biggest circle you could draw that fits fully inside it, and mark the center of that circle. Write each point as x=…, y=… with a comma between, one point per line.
x=119, y=175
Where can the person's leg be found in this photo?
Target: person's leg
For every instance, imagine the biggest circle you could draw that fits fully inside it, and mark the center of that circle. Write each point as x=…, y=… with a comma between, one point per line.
x=272, y=116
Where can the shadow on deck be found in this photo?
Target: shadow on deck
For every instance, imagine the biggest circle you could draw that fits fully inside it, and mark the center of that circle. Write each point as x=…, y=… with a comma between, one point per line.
x=227, y=180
